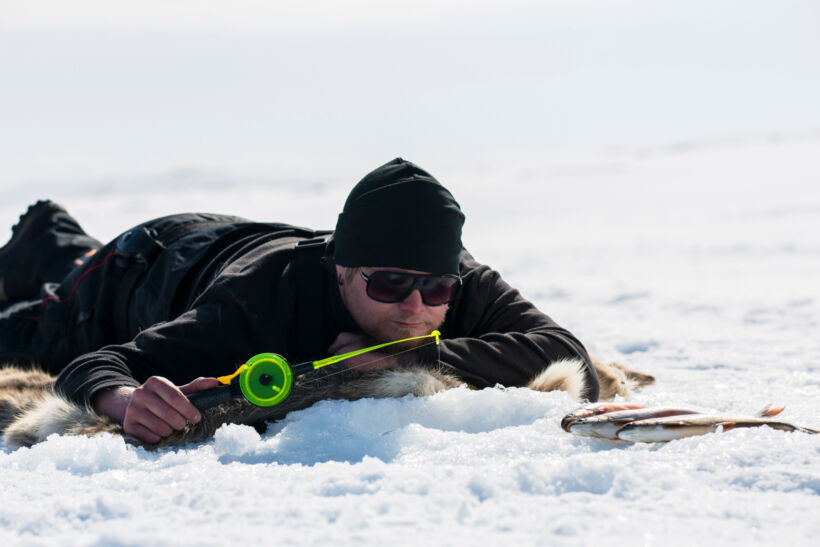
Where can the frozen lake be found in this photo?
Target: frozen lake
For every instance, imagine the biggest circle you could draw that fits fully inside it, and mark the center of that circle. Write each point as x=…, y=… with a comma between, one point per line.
x=648, y=173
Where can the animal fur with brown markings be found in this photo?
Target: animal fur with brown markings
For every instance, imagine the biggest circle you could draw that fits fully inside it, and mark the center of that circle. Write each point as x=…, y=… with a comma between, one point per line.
x=30, y=411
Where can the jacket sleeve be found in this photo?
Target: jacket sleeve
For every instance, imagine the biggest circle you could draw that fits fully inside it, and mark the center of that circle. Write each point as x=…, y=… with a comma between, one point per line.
x=192, y=345
x=492, y=335
x=226, y=325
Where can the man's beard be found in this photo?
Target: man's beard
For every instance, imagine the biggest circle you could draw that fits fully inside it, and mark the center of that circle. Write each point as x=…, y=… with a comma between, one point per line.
x=403, y=350
x=381, y=334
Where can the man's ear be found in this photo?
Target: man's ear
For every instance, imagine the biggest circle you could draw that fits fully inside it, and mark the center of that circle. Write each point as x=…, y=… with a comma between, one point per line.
x=340, y=274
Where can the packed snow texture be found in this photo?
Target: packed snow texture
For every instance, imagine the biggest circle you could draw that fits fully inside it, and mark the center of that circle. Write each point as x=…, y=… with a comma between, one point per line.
x=647, y=172
x=698, y=266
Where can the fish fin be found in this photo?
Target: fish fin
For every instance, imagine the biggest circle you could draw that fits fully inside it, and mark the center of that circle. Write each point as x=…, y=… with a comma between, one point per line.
x=768, y=411
x=726, y=426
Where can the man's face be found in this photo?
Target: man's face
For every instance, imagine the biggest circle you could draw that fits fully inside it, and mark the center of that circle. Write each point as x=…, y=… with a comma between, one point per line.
x=387, y=322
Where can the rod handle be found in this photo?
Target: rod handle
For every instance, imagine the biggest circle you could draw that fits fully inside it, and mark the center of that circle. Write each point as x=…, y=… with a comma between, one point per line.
x=203, y=400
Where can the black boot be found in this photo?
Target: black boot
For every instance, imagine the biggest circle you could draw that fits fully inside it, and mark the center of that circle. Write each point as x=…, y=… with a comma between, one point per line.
x=43, y=248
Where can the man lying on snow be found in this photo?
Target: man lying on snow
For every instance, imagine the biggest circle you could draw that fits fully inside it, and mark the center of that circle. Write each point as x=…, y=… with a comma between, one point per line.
x=134, y=325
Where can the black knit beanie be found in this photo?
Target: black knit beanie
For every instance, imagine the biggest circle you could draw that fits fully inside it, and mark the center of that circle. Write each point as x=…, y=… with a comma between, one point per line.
x=400, y=216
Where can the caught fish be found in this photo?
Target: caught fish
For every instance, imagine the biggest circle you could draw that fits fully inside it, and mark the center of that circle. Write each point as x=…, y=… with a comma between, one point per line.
x=609, y=420
x=595, y=409
x=678, y=427
x=607, y=425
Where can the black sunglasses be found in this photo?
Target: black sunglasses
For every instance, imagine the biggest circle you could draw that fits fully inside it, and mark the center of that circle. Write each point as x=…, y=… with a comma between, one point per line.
x=391, y=287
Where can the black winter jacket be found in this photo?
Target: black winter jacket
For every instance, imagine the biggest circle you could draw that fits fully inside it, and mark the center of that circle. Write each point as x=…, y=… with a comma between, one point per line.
x=238, y=298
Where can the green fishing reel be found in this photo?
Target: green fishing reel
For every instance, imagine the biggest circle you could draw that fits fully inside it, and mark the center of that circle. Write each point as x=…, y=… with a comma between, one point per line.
x=266, y=379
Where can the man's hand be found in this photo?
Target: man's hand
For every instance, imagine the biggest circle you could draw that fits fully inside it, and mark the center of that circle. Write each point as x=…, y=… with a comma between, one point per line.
x=374, y=360
x=155, y=409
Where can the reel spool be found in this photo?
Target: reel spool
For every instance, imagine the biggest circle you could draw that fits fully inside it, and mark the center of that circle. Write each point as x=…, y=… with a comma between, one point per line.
x=266, y=380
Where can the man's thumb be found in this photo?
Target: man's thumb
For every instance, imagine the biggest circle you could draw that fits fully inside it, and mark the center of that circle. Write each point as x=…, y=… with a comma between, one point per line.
x=200, y=384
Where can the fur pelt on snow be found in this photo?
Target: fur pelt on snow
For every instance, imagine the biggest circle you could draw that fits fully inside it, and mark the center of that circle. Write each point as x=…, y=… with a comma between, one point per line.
x=30, y=410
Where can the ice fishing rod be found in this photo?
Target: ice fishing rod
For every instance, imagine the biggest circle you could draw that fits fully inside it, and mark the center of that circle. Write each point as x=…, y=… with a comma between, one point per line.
x=266, y=379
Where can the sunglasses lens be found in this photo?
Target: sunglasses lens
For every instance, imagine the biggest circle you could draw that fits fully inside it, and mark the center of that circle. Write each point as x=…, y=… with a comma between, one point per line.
x=438, y=291
x=391, y=287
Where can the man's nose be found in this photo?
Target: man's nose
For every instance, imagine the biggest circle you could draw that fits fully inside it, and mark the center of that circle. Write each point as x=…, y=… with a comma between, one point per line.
x=413, y=302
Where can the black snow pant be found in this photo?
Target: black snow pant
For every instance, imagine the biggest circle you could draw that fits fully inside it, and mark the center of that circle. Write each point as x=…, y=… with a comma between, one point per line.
x=128, y=284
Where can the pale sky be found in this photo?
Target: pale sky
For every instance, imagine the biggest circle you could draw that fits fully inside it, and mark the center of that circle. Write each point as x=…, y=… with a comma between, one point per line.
x=100, y=86
x=260, y=14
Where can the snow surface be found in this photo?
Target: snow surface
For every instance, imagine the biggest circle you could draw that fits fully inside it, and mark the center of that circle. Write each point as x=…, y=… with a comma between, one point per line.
x=646, y=171
x=697, y=265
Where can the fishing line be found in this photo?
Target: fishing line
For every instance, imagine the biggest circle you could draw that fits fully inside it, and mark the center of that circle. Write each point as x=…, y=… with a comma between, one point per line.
x=424, y=345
